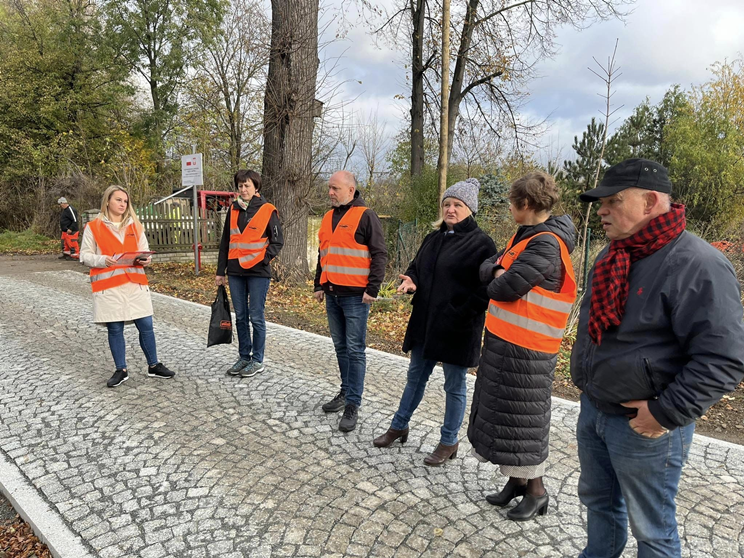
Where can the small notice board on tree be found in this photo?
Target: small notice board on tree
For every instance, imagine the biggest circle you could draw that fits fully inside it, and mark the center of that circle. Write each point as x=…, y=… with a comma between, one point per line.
x=191, y=170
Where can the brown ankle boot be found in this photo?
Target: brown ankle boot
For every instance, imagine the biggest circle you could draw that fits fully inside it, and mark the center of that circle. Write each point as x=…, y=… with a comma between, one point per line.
x=441, y=454
x=390, y=436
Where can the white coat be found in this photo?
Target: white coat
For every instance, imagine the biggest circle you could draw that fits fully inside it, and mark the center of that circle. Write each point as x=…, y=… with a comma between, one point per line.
x=126, y=302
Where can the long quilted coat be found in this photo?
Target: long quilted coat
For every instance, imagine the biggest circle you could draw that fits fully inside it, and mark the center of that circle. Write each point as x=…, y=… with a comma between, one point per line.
x=510, y=414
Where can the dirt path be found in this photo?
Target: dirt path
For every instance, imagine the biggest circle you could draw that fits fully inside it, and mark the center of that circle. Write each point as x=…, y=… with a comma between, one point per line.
x=18, y=265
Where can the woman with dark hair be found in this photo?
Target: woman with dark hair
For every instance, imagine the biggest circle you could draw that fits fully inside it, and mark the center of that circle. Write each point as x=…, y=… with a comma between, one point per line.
x=532, y=288
x=251, y=238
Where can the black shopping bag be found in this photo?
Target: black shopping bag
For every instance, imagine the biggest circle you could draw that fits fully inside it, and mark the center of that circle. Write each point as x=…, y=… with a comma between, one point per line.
x=220, y=326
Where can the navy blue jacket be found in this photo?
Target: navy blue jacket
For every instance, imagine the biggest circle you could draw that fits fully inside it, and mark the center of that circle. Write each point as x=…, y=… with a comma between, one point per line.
x=680, y=344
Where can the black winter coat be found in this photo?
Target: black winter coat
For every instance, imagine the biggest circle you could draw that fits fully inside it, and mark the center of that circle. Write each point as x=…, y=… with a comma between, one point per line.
x=510, y=414
x=450, y=303
x=69, y=220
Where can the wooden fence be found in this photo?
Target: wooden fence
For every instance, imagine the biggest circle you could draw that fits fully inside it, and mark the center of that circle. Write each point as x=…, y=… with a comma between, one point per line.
x=170, y=228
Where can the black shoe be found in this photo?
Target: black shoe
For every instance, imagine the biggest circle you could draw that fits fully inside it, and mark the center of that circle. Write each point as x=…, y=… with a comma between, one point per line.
x=119, y=377
x=160, y=371
x=529, y=507
x=335, y=404
x=509, y=492
x=349, y=420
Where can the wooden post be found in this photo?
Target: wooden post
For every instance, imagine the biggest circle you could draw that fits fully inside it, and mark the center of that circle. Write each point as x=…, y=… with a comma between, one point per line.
x=443, y=121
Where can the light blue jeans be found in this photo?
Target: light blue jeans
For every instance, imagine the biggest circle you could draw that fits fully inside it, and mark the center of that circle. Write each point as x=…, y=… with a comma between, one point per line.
x=248, y=295
x=455, y=386
x=627, y=476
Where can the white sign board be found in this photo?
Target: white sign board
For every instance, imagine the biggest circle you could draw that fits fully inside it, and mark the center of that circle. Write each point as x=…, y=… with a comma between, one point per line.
x=191, y=170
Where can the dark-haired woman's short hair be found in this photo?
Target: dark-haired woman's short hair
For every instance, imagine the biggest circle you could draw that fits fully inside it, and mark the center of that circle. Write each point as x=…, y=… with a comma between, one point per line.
x=246, y=175
x=536, y=190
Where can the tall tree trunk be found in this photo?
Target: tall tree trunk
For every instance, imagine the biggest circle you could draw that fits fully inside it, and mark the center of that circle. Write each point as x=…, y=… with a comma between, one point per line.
x=444, y=115
x=288, y=125
x=456, y=91
x=417, y=87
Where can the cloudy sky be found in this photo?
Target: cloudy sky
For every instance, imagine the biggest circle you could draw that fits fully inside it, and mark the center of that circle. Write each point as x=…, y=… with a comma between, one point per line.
x=662, y=42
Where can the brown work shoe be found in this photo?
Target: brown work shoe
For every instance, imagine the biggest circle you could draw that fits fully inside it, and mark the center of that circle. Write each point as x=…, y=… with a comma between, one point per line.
x=441, y=454
x=390, y=436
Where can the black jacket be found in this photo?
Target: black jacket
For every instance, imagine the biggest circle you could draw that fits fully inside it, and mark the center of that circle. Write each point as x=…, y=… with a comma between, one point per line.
x=273, y=232
x=69, y=220
x=368, y=233
x=680, y=343
x=510, y=414
x=450, y=303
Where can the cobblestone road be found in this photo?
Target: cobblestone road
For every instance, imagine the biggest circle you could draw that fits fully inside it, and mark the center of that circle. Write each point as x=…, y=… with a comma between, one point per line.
x=210, y=466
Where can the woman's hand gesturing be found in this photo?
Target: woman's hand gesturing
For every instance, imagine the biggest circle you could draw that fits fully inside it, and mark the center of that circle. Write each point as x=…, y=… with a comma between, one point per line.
x=407, y=286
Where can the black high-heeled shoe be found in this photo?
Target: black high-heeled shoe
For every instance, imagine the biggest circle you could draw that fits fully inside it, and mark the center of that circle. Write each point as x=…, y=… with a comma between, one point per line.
x=529, y=507
x=507, y=494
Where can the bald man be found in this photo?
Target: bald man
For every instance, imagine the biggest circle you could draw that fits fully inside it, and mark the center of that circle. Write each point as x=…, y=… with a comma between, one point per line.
x=351, y=267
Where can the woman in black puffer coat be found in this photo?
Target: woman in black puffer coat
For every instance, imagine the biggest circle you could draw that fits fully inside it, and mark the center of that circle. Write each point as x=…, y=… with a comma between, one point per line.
x=510, y=414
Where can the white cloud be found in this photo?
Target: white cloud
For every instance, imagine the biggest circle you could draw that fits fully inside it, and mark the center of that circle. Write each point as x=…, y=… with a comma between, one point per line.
x=663, y=42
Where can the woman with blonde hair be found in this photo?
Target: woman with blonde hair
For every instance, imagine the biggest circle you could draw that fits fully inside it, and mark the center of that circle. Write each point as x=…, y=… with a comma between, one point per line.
x=120, y=292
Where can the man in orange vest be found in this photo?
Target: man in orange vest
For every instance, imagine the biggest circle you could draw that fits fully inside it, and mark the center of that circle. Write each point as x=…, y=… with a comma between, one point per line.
x=351, y=268
x=69, y=224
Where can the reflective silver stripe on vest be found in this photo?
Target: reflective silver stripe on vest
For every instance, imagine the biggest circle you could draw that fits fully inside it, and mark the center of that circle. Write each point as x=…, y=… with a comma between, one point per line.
x=323, y=253
x=115, y=272
x=525, y=323
x=248, y=245
x=248, y=258
x=349, y=252
x=234, y=231
x=549, y=303
x=345, y=270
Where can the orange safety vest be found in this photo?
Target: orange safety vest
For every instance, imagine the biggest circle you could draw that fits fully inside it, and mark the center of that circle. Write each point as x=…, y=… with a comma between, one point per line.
x=343, y=260
x=102, y=278
x=249, y=247
x=538, y=319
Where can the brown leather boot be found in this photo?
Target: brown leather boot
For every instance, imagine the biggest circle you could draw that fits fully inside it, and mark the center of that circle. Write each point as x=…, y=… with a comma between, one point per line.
x=390, y=436
x=441, y=454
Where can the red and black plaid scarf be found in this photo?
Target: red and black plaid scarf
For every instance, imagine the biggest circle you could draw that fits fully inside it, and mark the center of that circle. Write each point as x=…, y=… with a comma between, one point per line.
x=610, y=281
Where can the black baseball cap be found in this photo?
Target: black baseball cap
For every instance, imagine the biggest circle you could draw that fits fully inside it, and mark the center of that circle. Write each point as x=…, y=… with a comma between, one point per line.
x=631, y=173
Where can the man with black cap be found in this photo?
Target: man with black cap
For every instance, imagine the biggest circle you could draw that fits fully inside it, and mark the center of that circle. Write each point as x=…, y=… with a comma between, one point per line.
x=660, y=339
x=69, y=224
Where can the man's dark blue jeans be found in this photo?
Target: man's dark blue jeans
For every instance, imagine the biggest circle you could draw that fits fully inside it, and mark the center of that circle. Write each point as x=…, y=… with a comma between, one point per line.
x=625, y=475
x=347, y=320
x=248, y=295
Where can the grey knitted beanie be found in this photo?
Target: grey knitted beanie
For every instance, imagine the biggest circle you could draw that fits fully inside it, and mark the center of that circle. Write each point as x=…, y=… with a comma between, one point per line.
x=466, y=191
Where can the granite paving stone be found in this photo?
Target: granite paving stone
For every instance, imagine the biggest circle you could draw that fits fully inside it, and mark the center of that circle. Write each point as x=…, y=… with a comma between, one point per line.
x=207, y=465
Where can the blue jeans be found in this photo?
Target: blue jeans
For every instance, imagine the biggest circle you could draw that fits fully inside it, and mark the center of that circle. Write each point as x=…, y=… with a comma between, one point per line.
x=248, y=296
x=627, y=476
x=146, y=341
x=455, y=387
x=347, y=320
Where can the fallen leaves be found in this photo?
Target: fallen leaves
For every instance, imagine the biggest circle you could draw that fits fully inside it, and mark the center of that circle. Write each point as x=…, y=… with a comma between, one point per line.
x=17, y=540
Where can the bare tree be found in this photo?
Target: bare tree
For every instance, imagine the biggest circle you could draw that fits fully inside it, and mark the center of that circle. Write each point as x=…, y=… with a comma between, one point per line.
x=230, y=76
x=499, y=43
x=372, y=146
x=289, y=110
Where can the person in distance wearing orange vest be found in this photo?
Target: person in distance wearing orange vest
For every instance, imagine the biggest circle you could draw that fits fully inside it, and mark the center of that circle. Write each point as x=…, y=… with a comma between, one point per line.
x=532, y=289
x=69, y=223
x=120, y=292
x=252, y=237
x=351, y=267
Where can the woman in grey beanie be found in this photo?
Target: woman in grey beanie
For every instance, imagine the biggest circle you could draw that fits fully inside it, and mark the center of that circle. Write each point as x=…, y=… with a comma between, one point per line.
x=446, y=324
